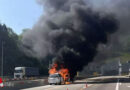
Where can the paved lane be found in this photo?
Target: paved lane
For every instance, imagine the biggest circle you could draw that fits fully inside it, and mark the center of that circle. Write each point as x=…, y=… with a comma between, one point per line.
x=105, y=86
x=78, y=85
x=17, y=85
x=123, y=84
x=105, y=83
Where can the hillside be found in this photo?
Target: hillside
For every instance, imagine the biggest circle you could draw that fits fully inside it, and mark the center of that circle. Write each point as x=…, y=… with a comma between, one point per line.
x=13, y=55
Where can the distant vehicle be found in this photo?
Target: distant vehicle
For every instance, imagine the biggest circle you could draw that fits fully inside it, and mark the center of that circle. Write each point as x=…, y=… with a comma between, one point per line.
x=22, y=72
x=56, y=79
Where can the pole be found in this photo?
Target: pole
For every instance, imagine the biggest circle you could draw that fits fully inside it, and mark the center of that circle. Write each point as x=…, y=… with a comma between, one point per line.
x=129, y=73
x=102, y=71
x=2, y=51
x=120, y=68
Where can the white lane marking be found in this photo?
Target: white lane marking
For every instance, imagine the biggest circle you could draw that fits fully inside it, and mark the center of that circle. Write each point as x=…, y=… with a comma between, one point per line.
x=129, y=86
x=38, y=88
x=117, y=85
x=120, y=83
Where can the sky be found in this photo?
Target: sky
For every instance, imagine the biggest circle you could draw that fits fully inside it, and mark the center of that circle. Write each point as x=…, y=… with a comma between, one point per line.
x=19, y=14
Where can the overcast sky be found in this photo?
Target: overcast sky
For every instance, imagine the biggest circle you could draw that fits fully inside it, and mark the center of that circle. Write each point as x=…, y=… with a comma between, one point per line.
x=19, y=14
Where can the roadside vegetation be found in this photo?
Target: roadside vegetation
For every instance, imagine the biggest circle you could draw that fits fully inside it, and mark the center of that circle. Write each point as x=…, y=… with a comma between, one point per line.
x=13, y=54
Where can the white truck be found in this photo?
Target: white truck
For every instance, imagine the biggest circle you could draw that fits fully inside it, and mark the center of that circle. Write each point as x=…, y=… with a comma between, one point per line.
x=22, y=72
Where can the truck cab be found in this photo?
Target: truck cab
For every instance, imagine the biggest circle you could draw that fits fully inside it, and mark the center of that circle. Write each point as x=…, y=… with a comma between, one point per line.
x=18, y=72
x=56, y=79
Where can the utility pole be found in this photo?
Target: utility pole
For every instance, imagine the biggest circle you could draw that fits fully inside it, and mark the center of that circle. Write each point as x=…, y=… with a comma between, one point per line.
x=2, y=57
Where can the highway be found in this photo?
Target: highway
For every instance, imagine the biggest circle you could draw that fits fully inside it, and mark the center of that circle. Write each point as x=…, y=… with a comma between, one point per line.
x=18, y=85
x=98, y=83
x=112, y=85
x=75, y=86
x=122, y=84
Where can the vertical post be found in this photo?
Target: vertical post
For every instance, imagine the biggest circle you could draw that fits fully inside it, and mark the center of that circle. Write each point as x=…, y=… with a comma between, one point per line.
x=120, y=68
x=129, y=73
x=2, y=51
x=77, y=74
x=102, y=71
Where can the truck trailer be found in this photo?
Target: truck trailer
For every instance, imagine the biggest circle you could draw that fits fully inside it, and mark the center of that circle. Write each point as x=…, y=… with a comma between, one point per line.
x=25, y=72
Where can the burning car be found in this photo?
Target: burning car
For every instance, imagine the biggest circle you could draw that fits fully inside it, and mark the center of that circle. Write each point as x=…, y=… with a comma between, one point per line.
x=56, y=79
x=58, y=74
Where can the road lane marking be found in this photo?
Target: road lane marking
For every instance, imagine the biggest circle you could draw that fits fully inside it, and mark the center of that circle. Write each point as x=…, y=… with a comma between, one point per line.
x=38, y=88
x=117, y=85
x=129, y=86
x=120, y=83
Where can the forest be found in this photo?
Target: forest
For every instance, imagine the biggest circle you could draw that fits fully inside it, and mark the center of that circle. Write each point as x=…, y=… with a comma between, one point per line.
x=13, y=55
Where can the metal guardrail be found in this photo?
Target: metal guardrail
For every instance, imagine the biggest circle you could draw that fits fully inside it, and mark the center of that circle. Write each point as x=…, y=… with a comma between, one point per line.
x=11, y=78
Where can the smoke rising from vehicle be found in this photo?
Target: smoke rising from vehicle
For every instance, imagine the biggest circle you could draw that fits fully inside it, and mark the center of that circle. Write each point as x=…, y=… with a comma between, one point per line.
x=121, y=9
x=69, y=30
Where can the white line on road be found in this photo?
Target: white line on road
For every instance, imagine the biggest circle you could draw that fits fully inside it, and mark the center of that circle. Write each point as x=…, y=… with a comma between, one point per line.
x=120, y=83
x=39, y=88
x=117, y=85
x=129, y=86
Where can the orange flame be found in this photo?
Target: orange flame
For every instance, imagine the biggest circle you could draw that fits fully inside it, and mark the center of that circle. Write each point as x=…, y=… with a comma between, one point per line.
x=64, y=72
x=53, y=69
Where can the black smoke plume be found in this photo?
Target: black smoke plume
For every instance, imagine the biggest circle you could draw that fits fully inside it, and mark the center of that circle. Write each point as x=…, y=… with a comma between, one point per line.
x=70, y=31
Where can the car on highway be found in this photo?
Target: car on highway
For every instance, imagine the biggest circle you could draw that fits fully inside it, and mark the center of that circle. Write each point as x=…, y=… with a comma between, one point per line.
x=55, y=79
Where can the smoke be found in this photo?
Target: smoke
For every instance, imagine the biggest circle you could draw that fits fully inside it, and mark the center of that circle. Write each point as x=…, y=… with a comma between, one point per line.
x=121, y=9
x=69, y=30
x=114, y=47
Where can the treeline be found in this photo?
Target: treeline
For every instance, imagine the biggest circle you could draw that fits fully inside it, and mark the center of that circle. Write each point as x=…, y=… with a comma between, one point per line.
x=13, y=56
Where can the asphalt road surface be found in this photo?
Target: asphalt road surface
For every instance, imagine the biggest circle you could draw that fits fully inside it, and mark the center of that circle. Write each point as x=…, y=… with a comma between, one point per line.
x=119, y=85
x=18, y=85
x=99, y=83
x=122, y=84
